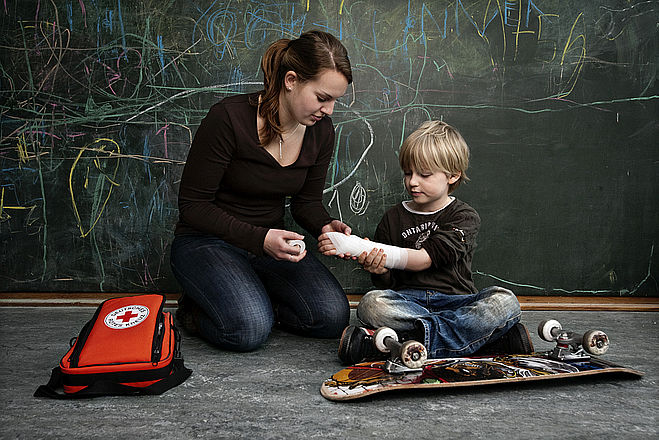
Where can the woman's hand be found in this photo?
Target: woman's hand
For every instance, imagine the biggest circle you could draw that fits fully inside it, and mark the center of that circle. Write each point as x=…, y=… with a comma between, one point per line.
x=325, y=245
x=336, y=226
x=276, y=245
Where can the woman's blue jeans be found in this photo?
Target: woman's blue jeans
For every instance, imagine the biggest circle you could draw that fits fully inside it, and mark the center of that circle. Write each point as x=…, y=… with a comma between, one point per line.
x=243, y=295
x=453, y=325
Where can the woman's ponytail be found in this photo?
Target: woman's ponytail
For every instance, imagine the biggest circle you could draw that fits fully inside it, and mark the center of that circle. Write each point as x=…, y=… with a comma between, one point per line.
x=307, y=56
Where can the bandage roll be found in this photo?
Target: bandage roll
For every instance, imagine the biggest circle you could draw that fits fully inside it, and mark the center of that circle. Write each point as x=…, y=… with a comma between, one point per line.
x=298, y=243
x=353, y=245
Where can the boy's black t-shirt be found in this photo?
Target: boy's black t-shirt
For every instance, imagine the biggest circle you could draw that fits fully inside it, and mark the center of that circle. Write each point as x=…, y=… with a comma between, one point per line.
x=449, y=237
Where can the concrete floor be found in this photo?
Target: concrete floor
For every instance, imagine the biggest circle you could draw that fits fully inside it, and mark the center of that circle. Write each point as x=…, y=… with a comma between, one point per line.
x=274, y=393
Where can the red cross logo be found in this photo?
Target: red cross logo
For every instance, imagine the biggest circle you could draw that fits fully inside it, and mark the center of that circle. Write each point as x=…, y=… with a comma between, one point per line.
x=127, y=316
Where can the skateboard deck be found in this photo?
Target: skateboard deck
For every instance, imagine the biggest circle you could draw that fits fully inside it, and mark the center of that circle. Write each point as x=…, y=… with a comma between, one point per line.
x=369, y=378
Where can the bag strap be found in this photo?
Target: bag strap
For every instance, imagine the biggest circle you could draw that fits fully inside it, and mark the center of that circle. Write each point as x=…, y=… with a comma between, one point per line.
x=107, y=388
x=179, y=374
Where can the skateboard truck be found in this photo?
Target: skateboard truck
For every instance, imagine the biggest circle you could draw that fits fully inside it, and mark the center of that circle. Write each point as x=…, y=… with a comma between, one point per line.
x=570, y=345
x=405, y=357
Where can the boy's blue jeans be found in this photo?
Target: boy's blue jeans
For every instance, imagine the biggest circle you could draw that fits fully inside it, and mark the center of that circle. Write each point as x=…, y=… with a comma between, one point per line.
x=244, y=295
x=453, y=325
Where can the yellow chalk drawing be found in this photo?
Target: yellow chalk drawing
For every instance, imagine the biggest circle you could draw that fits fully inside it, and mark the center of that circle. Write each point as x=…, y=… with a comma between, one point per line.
x=574, y=43
x=22, y=150
x=4, y=215
x=502, y=20
x=101, y=152
x=518, y=30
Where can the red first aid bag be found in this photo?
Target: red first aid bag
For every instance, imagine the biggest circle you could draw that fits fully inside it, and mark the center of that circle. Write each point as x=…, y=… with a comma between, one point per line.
x=130, y=346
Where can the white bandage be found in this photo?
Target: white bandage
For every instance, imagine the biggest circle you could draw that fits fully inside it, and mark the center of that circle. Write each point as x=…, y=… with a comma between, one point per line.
x=298, y=243
x=353, y=245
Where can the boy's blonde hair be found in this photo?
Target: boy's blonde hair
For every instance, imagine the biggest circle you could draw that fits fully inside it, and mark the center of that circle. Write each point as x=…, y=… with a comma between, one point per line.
x=436, y=146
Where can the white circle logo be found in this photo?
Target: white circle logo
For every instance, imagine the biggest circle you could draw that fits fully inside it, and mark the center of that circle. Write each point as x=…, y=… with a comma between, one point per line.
x=125, y=317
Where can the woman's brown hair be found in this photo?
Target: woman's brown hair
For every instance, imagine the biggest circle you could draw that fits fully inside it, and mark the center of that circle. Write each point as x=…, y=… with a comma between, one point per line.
x=307, y=56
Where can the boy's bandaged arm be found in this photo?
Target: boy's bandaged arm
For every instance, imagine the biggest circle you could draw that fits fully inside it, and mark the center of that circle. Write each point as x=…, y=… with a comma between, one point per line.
x=397, y=258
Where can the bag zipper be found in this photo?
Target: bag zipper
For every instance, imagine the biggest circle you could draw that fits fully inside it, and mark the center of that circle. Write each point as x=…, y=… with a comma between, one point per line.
x=177, y=341
x=158, y=335
x=82, y=338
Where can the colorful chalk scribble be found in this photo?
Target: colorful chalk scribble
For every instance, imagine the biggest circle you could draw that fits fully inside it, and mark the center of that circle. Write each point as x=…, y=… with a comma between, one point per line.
x=100, y=100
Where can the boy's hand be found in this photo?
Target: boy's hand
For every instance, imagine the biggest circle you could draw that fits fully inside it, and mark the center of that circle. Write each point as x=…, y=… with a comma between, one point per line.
x=325, y=245
x=373, y=261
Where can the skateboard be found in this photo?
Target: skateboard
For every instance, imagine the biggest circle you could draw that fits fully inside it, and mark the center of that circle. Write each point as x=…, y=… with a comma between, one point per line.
x=409, y=368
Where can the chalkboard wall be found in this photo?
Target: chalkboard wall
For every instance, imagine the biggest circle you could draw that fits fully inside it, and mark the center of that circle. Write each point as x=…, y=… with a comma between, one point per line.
x=558, y=100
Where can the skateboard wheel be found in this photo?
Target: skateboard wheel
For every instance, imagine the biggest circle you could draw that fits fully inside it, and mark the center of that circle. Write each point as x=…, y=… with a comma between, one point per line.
x=545, y=329
x=380, y=335
x=413, y=354
x=595, y=342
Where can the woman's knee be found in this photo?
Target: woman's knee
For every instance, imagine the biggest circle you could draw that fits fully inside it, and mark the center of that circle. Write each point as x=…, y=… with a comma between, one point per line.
x=326, y=319
x=333, y=322
x=247, y=339
x=243, y=333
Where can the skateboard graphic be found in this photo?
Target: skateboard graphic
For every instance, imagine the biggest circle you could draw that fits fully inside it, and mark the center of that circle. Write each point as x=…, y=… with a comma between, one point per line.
x=409, y=368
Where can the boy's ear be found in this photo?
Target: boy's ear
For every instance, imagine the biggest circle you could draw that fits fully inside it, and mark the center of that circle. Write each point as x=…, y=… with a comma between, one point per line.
x=454, y=177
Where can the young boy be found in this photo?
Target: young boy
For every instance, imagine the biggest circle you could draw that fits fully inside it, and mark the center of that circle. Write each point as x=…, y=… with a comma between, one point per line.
x=432, y=298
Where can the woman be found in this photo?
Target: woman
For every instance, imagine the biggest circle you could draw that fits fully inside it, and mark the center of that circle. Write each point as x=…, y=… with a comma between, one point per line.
x=231, y=253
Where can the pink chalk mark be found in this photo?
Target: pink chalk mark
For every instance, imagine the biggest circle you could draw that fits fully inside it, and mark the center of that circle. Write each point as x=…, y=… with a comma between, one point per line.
x=122, y=55
x=164, y=135
x=147, y=274
x=396, y=101
x=113, y=79
x=84, y=12
x=36, y=20
x=576, y=103
x=42, y=132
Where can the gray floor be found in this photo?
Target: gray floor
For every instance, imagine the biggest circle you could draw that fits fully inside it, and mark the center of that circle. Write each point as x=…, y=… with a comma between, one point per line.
x=273, y=393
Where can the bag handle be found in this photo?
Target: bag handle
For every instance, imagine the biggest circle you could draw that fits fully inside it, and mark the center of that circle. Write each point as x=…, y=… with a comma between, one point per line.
x=107, y=388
